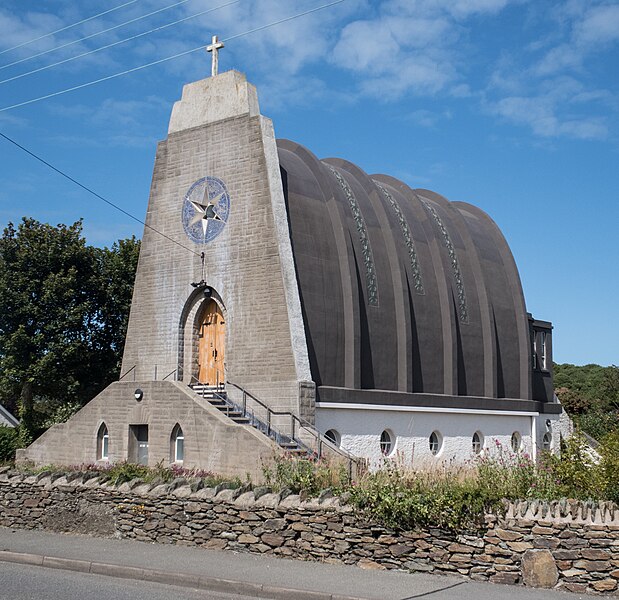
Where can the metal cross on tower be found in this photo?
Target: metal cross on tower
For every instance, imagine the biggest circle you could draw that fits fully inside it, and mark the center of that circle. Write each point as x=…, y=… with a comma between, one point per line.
x=214, y=47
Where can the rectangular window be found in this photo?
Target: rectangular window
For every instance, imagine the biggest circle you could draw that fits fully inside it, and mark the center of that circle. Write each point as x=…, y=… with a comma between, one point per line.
x=542, y=350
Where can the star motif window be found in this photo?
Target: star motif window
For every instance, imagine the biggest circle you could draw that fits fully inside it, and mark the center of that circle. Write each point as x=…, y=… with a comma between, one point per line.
x=206, y=208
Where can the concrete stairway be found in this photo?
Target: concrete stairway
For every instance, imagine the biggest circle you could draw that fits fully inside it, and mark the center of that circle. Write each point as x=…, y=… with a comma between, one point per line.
x=218, y=398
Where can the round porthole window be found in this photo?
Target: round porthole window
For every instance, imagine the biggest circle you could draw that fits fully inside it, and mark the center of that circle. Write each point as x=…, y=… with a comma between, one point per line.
x=334, y=437
x=516, y=441
x=436, y=441
x=386, y=443
x=478, y=442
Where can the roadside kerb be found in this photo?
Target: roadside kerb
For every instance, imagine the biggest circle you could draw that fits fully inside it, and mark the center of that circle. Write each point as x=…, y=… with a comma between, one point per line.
x=169, y=577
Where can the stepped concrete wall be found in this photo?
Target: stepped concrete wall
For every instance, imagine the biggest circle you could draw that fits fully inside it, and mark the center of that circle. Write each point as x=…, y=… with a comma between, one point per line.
x=212, y=441
x=566, y=545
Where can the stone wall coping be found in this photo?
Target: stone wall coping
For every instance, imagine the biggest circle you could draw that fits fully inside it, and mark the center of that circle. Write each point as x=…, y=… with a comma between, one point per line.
x=238, y=496
x=545, y=513
x=588, y=512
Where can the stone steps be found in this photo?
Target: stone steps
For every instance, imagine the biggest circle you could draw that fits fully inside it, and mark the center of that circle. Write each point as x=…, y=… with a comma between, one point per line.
x=218, y=398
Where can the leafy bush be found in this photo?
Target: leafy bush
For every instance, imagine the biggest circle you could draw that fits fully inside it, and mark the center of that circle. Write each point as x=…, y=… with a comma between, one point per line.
x=573, y=402
x=514, y=476
x=609, y=467
x=400, y=499
x=125, y=471
x=586, y=380
x=8, y=443
x=598, y=423
x=309, y=476
x=576, y=471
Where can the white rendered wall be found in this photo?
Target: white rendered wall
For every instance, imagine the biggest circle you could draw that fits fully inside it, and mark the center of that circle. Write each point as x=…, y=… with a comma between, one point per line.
x=360, y=430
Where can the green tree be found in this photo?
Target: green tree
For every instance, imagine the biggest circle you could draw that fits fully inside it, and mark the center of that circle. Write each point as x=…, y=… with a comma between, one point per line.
x=609, y=387
x=585, y=380
x=63, y=317
x=572, y=401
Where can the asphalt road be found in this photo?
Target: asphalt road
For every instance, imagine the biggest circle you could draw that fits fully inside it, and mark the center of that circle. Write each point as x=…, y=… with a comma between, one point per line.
x=25, y=582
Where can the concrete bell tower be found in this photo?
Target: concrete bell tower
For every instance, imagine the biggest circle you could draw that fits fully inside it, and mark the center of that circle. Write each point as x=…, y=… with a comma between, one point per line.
x=217, y=197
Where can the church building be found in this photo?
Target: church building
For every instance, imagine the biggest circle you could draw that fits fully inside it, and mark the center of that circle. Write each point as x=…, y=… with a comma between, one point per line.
x=286, y=303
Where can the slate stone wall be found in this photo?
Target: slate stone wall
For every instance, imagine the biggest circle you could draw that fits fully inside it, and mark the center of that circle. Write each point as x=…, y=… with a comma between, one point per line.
x=571, y=546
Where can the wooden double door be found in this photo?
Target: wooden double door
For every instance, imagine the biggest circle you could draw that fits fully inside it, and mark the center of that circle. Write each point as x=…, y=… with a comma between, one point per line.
x=211, y=345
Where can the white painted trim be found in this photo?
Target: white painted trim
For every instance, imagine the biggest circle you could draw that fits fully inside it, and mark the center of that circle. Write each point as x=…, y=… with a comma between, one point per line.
x=533, y=438
x=427, y=409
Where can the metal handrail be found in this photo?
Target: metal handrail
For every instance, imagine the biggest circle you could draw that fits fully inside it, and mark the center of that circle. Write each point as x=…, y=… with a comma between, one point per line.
x=171, y=373
x=127, y=373
x=268, y=429
x=254, y=421
x=321, y=439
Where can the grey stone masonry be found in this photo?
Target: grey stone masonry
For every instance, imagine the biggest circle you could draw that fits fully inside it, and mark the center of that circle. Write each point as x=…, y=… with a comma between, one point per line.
x=212, y=441
x=216, y=130
x=571, y=545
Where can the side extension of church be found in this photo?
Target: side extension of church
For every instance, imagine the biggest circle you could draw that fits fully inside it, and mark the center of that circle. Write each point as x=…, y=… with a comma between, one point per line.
x=301, y=304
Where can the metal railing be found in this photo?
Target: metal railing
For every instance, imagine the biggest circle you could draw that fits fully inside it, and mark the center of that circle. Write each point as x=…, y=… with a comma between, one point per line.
x=233, y=409
x=133, y=370
x=174, y=372
x=284, y=427
x=301, y=431
x=127, y=373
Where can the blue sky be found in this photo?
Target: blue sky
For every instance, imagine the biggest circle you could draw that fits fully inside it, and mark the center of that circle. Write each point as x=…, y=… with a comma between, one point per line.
x=510, y=105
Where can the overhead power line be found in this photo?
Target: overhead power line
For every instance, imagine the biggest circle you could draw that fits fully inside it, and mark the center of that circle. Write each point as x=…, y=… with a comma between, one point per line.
x=93, y=193
x=168, y=58
x=133, y=37
x=105, y=12
x=92, y=35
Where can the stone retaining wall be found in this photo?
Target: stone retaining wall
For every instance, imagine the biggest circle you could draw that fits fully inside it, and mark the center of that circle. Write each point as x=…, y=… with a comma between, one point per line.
x=569, y=545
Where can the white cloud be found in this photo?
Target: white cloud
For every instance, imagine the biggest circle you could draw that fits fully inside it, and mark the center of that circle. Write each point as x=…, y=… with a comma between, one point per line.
x=7, y=119
x=15, y=29
x=549, y=86
x=121, y=122
x=591, y=29
x=540, y=113
x=412, y=46
x=456, y=8
x=428, y=118
x=600, y=26
x=389, y=50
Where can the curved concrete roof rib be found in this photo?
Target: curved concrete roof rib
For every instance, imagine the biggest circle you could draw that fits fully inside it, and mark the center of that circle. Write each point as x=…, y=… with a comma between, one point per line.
x=401, y=289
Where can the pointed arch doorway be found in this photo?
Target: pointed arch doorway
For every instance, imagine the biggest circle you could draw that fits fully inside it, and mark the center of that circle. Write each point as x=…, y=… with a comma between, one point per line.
x=211, y=344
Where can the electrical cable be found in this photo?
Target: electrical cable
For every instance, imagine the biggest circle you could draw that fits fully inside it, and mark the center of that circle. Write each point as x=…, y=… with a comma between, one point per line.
x=91, y=191
x=105, y=12
x=150, y=14
x=133, y=37
x=162, y=60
